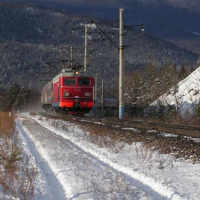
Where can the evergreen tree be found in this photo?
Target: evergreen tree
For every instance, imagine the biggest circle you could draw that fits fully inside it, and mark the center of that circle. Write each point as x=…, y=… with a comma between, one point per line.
x=13, y=95
x=182, y=73
x=17, y=97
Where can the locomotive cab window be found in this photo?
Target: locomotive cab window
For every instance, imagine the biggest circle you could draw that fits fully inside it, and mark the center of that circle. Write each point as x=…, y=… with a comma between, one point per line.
x=83, y=81
x=69, y=81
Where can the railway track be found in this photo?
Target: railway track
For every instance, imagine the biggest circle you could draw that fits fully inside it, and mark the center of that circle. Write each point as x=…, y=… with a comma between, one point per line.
x=180, y=129
x=186, y=130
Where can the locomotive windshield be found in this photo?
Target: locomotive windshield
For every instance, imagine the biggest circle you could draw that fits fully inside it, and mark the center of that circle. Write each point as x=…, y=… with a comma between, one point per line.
x=83, y=81
x=69, y=81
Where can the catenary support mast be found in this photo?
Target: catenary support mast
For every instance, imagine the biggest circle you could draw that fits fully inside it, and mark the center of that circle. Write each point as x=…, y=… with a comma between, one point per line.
x=86, y=44
x=121, y=67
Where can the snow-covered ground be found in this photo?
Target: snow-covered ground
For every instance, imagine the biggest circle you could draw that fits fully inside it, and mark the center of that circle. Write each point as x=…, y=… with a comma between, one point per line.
x=71, y=167
x=185, y=96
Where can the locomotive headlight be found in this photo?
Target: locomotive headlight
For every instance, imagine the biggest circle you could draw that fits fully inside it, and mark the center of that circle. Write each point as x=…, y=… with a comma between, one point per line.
x=76, y=72
x=87, y=94
x=66, y=94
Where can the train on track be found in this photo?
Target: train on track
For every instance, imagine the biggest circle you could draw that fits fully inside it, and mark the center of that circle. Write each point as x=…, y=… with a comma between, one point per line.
x=73, y=93
x=69, y=92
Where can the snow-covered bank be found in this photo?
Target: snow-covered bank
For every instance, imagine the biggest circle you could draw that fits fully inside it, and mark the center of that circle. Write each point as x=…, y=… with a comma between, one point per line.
x=153, y=177
x=185, y=96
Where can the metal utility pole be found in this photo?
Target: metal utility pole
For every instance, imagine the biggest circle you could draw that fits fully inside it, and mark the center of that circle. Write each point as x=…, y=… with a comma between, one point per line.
x=71, y=56
x=95, y=95
x=102, y=96
x=121, y=67
x=86, y=44
x=121, y=59
x=95, y=92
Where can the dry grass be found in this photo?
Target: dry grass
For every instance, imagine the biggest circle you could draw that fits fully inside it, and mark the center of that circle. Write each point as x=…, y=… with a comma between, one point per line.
x=32, y=113
x=17, y=178
x=7, y=125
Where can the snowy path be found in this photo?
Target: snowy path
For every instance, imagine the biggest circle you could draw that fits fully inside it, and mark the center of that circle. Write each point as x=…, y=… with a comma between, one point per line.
x=82, y=175
x=73, y=166
x=48, y=186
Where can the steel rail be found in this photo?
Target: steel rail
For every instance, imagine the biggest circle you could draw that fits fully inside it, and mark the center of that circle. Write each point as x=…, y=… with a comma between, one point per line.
x=179, y=129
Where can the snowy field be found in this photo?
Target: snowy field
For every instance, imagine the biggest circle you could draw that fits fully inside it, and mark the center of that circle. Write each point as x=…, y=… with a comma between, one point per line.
x=72, y=167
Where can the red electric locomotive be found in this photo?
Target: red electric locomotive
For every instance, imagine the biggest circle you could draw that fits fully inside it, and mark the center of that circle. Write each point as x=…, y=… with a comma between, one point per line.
x=70, y=92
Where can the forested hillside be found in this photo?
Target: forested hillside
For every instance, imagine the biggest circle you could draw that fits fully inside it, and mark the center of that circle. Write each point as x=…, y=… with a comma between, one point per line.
x=174, y=21
x=28, y=35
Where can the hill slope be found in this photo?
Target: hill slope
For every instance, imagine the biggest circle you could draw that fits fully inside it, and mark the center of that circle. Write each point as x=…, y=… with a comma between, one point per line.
x=28, y=35
x=175, y=21
x=185, y=96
